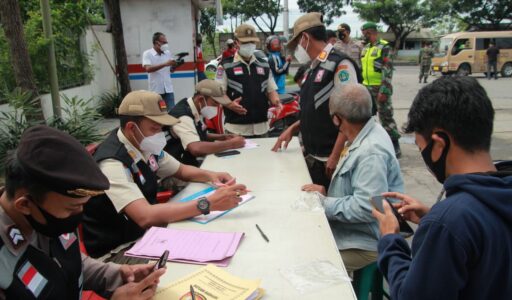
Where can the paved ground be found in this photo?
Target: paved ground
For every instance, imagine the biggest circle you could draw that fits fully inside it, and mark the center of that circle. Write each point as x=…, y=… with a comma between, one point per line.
x=418, y=181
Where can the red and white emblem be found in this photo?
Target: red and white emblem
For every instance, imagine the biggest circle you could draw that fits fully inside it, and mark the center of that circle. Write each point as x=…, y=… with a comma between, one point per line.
x=32, y=279
x=260, y=71
x=152, y=163
x=238, y=70
x=319, y=75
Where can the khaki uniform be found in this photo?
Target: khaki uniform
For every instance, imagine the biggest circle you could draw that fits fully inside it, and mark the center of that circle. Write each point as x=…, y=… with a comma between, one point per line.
x=352, y=49
x=245, y=129
x=23, y=270
x=185, y=130
x=123, y=190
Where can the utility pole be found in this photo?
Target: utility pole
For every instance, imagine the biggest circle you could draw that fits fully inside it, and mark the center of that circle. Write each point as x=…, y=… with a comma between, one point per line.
x=285, y=19
x=52, y=63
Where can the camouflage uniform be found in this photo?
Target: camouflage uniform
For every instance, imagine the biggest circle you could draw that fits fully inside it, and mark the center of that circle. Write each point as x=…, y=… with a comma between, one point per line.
x=385, y=109
x=425, y=60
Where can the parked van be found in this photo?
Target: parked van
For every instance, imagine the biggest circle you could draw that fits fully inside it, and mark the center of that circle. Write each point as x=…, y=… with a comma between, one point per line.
x=464, y=53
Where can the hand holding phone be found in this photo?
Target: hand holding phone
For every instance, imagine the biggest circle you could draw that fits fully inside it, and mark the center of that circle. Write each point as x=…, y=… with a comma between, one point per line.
x=227, y=153
x=161, y=261
x=405, y=229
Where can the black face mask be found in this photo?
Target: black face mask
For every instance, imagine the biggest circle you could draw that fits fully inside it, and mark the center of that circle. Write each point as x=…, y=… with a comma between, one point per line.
x=54, y=226
x=341, y=35
x=438, y=168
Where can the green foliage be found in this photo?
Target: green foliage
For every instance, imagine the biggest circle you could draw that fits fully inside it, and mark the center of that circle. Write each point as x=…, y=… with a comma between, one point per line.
x=208, y=24
x=69, y=20
x=80, y=120
x=108, y=104
x=329, y=8
x=263, y=13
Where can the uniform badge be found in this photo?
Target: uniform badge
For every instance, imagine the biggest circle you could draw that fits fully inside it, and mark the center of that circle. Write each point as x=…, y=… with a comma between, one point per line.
x=322, y=56
x=343, y=75
x=132, y=154
x=341, y=67
x=152, y=163
x=15, y=236
x=220, y=73
x=32, y=279
x=260, y=71
x=238, y=71
x=162, y=105
x=67, y=239
x=141, y=177
x=319, y=75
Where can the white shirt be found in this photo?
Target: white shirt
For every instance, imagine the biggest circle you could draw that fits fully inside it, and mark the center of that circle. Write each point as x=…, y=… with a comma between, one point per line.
x=158, y=81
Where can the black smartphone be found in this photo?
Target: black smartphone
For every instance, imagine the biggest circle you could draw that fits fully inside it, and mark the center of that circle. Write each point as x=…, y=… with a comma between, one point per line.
x=161, y=261
x=227, y=153
x=405, y=230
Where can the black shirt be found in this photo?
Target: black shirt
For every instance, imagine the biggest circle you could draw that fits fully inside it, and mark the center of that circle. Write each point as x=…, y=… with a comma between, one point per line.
x=492, y=54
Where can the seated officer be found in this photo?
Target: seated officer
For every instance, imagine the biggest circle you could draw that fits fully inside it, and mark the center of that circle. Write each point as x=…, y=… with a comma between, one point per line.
x=48, y=179
x=132, y=159
x=192, y=138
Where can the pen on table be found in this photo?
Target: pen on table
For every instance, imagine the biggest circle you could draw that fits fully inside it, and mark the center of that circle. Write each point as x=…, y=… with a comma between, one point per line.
x=262, y=234
x=192, y=293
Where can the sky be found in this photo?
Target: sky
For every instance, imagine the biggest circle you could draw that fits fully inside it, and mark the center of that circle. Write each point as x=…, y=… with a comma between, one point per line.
x=351, y=18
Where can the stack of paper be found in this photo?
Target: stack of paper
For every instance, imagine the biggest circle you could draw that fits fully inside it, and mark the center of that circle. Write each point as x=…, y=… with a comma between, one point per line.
x=250, y=144
x=188, y=246
x=211, y=282
x=203, y=219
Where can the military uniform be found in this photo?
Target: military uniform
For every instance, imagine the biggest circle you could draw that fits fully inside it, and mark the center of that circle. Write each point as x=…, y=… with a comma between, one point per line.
x=425, y=61
x=34, y=265
x=377, y=70
x=352, y=49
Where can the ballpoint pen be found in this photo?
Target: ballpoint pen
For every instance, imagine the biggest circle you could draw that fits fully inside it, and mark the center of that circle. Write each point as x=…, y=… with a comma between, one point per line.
x=262, y=234
x=192, y=293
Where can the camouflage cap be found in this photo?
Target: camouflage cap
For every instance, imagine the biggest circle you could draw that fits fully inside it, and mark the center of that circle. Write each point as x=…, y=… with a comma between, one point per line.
x=246, y=33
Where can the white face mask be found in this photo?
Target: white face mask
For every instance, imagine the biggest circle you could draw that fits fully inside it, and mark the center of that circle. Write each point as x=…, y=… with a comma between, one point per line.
x=247, y=50
x=152, y=144
x=164, y=47
x=301, y=54
x=208, y=112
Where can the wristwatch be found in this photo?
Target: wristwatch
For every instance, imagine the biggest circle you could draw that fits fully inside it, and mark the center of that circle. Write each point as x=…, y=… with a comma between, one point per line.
x=203, y=205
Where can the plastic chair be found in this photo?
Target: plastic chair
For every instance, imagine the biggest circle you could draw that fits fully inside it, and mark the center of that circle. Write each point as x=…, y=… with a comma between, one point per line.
x=369, y=280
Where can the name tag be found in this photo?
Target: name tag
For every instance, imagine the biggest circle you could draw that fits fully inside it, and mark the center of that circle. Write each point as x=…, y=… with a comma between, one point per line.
x=319, y=75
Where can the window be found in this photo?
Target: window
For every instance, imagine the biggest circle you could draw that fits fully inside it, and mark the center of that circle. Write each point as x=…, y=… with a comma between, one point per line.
x=504, y=43
x=482, y=43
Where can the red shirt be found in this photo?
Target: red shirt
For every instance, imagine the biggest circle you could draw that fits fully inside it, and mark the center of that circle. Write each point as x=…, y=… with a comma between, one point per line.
x=229, y=52
x=199, y=59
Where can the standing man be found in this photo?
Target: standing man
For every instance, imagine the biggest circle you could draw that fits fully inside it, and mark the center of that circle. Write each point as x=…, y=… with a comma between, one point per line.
x=199, y=58
x=193, y=140
x=278, y=64
x=248, y=76
x=347, y=45
x=462, y=248
x=48, y=180
x=133, y=161
x=158, y=62
x=230, y=50
x=492, y=60
x=329, y=69
x=425, y=61
x=377, y=75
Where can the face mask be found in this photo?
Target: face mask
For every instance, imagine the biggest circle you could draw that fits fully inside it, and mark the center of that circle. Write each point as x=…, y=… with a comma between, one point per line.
x=301, y=53
x=366, y=39
x=164, y=47
x=54, y=226
x=153, y=144
x=247, y=50
x=437, y=168
x=208, y=112
x=341, y=35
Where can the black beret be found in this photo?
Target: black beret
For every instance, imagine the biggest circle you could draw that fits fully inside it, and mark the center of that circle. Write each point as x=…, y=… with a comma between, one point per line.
x=60, y=163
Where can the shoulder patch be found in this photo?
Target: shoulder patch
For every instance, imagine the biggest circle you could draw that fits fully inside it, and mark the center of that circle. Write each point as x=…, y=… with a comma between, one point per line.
x=220, y=73
x=32, y=279
x=15, y=236
x=343, y=75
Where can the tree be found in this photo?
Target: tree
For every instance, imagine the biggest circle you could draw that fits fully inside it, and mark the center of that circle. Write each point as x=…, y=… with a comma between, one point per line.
x=262, y=11
x=208, y=22
x=475, y=13
x=329, y=8
x=402, y=16
x=120, y=50
x=10, y=18
x=232, y=9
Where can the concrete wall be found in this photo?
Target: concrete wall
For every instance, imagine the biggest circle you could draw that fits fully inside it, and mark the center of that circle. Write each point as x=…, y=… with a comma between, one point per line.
x=103, y=78
x=174, y=18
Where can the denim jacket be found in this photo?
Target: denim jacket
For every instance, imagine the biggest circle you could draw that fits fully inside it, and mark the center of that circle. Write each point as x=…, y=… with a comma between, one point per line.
x=369, y=169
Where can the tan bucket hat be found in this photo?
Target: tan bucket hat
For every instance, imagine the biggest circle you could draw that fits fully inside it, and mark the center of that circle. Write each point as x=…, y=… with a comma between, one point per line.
x=246, y=33
x=213, y=89
x=309, y=20
x=146, y=104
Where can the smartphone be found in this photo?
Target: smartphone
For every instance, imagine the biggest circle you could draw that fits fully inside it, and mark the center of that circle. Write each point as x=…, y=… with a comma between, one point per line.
x=161, y=261
x=227, y=153
x=405, y=230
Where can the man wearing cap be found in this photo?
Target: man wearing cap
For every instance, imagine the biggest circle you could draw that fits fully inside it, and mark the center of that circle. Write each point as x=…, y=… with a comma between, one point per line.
x=377, y=75
x=192, y=138
x=133, y=160
x=329, y=70
x=248, y=76
x=158, y=61
x=347, y=45
x=230, y=50
x=48, y=179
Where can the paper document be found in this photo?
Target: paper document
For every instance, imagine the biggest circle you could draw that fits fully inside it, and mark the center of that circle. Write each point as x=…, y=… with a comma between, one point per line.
x=189, y=246
x=211, y=282
x=250, y=144
x=203, y=219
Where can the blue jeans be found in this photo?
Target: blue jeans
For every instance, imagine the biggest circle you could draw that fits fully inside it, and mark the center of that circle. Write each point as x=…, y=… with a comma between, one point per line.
x=169, y=100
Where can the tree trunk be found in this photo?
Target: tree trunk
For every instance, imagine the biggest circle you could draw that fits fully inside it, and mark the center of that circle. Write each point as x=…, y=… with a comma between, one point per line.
x=118, y=37
x=23, y=73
